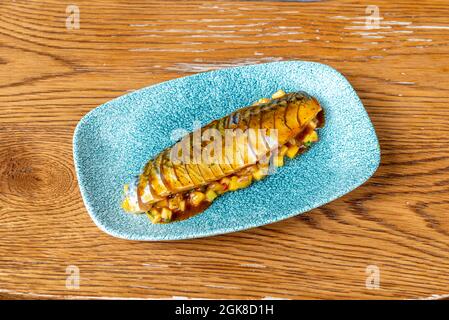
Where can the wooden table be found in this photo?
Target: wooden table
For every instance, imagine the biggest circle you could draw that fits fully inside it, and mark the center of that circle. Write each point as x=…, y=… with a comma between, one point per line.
x=52, y=73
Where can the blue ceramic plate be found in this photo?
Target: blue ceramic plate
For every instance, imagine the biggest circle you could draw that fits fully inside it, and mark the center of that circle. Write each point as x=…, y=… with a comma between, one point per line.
x=114, y=141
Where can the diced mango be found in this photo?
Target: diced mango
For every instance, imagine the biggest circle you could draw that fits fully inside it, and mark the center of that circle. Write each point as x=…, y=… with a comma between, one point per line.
x=173, y=203
x=292, y=151
x=259, y=174
x=217, y=187
x=125, y=205
x=243, y=182
x=240, y=182
x=278, y=94
x=182, y=205
x=197, y=197
x=154, y=219
x=233, y=183
x=211, y=195
x=283, y=150
x=166, y=214
x=154, y=215
x=314, y=136
x=278, y=161
x=129, y=206
x=225, y=181
x=261, y=101
x=311, y=137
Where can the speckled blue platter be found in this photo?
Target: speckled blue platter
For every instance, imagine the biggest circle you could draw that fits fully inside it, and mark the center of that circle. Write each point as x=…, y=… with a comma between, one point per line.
x=114, y=141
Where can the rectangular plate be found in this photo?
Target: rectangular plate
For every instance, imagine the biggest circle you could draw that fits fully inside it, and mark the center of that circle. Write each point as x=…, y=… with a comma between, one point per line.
x=114, y=141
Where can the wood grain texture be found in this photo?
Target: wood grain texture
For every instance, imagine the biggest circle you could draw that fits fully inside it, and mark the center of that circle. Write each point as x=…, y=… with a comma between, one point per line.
x=50, y=76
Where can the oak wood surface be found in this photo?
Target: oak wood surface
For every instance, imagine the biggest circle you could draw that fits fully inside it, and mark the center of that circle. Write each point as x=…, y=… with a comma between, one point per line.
x=50, y=76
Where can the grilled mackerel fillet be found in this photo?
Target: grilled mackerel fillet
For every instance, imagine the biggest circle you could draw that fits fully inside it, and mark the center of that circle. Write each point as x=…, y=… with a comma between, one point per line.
x=225, y=155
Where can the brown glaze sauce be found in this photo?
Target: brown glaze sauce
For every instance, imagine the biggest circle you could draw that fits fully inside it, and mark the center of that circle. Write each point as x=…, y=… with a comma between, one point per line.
x=190, y=211
x=320, y=119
